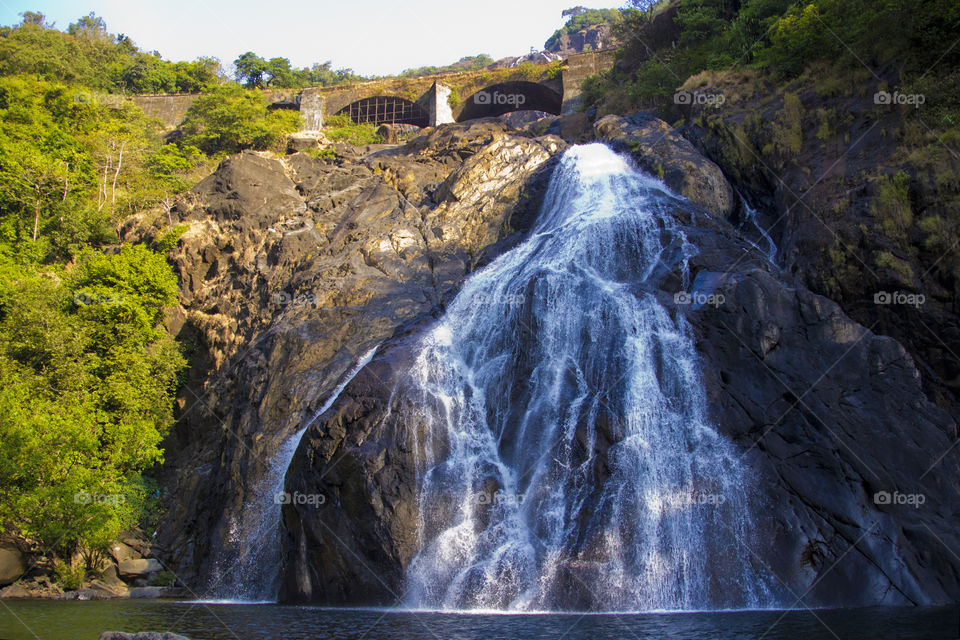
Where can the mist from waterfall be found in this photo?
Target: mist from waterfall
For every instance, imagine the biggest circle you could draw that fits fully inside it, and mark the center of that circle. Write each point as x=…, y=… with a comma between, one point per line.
x=567, y=460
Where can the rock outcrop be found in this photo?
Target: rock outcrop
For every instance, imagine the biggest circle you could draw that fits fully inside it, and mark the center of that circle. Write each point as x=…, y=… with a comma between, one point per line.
x=138, y=568
x=861, y=202
x=659, y=150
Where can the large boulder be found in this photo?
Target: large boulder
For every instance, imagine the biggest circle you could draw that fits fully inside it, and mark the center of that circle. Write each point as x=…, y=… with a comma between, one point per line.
x=112, y=580
x=658, y=149
x=13, y=564
x=121, y=551
x=152, y=593
x=15, y=591
x=138, y=568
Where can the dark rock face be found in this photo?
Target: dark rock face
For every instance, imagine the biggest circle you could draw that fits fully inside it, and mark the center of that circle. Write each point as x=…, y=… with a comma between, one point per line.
x=290, y=269
x=858, y=206
x=857, y=477
x=832, y=417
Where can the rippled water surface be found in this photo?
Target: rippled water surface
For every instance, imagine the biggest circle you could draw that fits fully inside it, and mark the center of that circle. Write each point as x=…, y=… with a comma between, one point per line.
x=45, y=620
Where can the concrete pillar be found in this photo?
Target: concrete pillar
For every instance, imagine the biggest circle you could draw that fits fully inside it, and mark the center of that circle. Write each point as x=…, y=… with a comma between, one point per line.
x=440, y=111
x=577, y=68
x=311, y=108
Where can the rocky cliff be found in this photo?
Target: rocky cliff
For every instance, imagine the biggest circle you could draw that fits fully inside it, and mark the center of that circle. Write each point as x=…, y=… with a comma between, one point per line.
x=291, y=268
x=860, y=196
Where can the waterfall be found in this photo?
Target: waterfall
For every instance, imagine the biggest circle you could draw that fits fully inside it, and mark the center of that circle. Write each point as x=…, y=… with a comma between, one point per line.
x=249, y=568
x=567, y=460
x=750, y=218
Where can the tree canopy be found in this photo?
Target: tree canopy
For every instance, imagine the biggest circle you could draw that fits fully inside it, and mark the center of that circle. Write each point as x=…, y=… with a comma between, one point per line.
x=255, y=72
x=87, y=54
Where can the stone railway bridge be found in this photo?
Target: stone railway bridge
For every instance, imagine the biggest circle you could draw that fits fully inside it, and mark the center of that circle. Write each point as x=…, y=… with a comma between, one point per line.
x=425, y=101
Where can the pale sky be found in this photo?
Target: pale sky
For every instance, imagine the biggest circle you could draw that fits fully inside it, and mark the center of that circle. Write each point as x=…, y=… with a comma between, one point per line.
x=373, y=37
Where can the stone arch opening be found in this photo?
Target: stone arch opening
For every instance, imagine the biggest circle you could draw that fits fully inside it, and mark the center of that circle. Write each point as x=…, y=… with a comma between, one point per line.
x=386, y=110
x=506, y=97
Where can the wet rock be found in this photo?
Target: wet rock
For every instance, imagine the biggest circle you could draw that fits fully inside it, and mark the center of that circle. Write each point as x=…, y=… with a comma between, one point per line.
x=659, y=150
x=292, y=268
x=830, y=418
x=152, y=593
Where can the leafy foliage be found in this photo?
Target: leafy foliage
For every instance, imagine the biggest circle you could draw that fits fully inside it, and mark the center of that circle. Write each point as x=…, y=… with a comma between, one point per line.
x=71, y=167
x=87, y=372
x=86, y=380
x=229, y=119
x=342, y=129
x=786, y=39
x=257, y=73
x=467, y=63
x=87, y=54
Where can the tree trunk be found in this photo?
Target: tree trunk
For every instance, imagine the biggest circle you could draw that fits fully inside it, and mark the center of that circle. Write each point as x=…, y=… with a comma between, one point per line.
x=113, y=188
x=36, y=218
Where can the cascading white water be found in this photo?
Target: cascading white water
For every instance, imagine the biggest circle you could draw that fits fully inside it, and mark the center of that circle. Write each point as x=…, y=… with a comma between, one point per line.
x=567, y=461
x=249, y=568
x=750, y=219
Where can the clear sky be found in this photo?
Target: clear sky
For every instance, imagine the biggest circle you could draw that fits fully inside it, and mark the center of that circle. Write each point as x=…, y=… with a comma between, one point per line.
x=373, y=37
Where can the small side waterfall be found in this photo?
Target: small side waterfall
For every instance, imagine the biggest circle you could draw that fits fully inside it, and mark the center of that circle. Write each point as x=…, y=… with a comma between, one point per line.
x=567, y=460
x=249, y=570
x=750, y=220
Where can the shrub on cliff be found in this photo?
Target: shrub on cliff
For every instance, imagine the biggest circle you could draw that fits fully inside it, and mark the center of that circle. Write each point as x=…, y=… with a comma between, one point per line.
x=230, y=119
x=87, y=375
x=341, y=128
x=785, y=38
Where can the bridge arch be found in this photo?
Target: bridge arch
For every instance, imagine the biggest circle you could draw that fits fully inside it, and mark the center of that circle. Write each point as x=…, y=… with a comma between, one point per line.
x=386, y=110
x=505, y=97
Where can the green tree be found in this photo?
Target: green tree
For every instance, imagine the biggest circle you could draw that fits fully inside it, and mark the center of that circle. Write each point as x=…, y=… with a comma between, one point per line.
x=229, y=119
x=148, y=74
x=88, y=350
x=250, y=69
x=90, y=26
x=281, y=75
